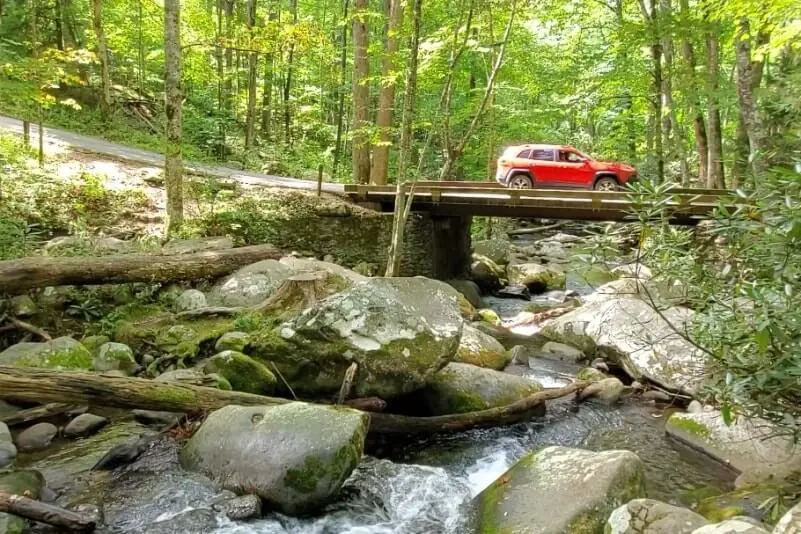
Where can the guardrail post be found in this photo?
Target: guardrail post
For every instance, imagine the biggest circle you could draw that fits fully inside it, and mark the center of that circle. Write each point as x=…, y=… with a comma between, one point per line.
x=320, y=180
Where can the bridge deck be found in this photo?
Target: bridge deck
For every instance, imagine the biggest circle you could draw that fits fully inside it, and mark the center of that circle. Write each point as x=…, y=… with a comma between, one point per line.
x=686, y=206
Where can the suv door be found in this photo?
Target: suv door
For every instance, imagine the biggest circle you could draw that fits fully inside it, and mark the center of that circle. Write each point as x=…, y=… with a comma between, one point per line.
x=575, y=170
x=543, y=167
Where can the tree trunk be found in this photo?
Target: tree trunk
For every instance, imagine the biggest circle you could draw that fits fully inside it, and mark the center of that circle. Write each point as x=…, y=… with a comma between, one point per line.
x=749, y=76
x=650, y=14
x=288, y=82
x=699, y=124
x=18, y=276
x=715, y=176
x=398, y=223
x=386, y=96
x=361, y=94
x=222, y=95
x=253, y=64
x=32, y=385
x=228, y=84
x=140, y=44
x=102, y=52
x=410, y=93
x=343, y=76
x=59, y=23
x=173, y=166
x=267, y=87
x=674, y=131
x=45, y=513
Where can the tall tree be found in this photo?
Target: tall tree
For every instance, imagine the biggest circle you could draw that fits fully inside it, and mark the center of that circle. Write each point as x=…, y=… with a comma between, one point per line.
x=386, y=95
x=102, y=52
x=343, y=76
x=288, y=81
x=715, y=175
x=267, y=85
x=699, y=123
x=361, y=94
x=410, y=92
x=173, y=166
x=672, y=127
x=253, y=65
x=749, y=76
x=650, y=13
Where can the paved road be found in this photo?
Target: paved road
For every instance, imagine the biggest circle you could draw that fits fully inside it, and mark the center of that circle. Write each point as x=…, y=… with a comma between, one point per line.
x=94, y=145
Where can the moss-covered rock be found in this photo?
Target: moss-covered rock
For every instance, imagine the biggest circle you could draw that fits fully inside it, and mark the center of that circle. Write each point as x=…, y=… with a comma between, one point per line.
x=294, y=456
x=60, y=353
x=489, y=316
x=487, y=274
x=28, y=483
x=189, y=300
x=590, y=373
x=470, y=291
x=250, y=285
x=242, y=372
x=115, y=357
x=647, y=516
x=93, y=343
x=559, y=490
x=399, y=331
x=461, y=387
x=237, y=341
x=8, y=452
x=497, y=250
x=482, y=350
x=536, y=276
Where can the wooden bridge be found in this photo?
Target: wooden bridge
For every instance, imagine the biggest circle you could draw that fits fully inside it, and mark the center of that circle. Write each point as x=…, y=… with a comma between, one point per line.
x=685, y=206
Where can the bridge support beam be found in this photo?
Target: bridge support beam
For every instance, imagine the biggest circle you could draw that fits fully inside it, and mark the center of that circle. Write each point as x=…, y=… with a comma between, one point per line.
x=450, y=246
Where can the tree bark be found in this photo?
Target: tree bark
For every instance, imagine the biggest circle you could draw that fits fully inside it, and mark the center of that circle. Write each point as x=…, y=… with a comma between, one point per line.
x=102, y=52
x=410, y=93
x=173, y=166
x=749, y=76
x=699, y=124
x=45, y=513
x=288, y=82
x=18, y=276
x=361, y=94
x=343, y=76
x=715, y=175
x=674, y=131
x=253, y=65
x=386, y=95
x=650, y=14
x=267, y=87
x=34, y=385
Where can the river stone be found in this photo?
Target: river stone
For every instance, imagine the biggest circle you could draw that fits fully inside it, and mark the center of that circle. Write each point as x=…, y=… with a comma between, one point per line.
x=460, y=388
x=647, y=516
x=196, y=521
x=536, y=277
x=660, y=293
x=232, y=341
x=400, y=331
x=295, y=456
x=559, y=351
x=607, y=391
x=84, y=425
x=311, y=265
x=735, y=525
x=156, y=418
x=115, y=357
x=632, y=270
x=28, y=483
x=559, y=490
x=470, y=291
x=200, y=244
x=8, y=452
x=790, y=523
x=243, y=372
x=590, y=373
x=482, y=350
x=60, y=353
x=23, y=306
x=489, y=316
x=192, y=377
x=250, y=285
x=495, y=249
x=93, y=343
x=487, y=274
x=552, y=250
x=36, y=437
x=754, y=447
x=189, y=300
x=240, y=508
x=642, y=341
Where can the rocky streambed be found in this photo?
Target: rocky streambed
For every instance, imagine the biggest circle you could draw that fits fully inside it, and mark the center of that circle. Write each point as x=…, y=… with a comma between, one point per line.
x=631, y=457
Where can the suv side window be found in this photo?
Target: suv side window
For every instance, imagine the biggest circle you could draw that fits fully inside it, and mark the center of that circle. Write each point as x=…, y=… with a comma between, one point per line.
x=542, y=154
x=524, y=154
x=569, y=157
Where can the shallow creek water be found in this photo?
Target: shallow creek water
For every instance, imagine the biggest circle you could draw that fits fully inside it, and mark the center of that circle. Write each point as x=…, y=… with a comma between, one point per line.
x=423, y=487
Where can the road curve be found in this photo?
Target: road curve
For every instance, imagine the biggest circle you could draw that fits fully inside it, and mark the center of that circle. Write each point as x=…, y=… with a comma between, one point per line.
x=83, y=143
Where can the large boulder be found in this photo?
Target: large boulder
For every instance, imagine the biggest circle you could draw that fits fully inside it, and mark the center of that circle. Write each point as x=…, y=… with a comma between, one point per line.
x=311, y=265
x=60, y=353
x=295, y=456
x=461, y=387
x=735, y=525
x=790, y=523
x=645, y=343
x=242, y=372
x=607, y=391
x=536, y=276
x=250, y=285
x=470, y=291
x=482, y=350
x=659, y=293
x=115, y=357
x=487, y=274
x=559, y=490
x=399, y=331
x=189, y=300
x=755, y=448
x=647, y=516
x=495, y=249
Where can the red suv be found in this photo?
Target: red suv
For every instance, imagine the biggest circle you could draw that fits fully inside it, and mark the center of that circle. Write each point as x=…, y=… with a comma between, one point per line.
x=560, y=166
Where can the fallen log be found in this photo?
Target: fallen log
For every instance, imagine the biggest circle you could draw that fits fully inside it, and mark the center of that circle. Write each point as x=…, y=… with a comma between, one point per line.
x=18, y=276
x=32, y=415
x=45, y=513
x=537, y=229
x=37, y=385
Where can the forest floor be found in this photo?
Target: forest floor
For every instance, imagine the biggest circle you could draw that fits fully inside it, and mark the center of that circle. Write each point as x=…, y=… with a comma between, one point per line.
x=59, y=141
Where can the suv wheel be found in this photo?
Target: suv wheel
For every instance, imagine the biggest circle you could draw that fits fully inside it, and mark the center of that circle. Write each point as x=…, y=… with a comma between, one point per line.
x=607, y=183
x=520, y=181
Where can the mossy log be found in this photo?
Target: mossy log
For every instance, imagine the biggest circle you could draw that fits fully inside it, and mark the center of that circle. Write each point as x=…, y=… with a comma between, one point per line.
x=45, y=513
x=18, y=276
x=36, y=385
